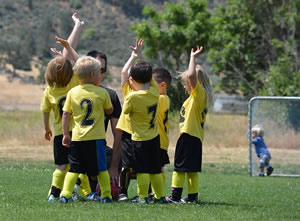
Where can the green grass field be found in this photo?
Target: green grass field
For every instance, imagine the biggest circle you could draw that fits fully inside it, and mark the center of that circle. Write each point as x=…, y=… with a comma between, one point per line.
x=226, y=193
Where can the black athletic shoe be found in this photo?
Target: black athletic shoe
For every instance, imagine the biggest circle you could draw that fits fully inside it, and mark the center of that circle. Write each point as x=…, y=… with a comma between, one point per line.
x=270, y=171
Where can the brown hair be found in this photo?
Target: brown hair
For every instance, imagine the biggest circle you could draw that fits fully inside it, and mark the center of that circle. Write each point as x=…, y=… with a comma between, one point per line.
x=59, y=72
x=162, y=75
x=141, y=72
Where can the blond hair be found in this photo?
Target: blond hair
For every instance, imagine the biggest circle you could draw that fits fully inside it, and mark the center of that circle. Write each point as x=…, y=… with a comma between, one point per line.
x=86, y=65
x=204, y=80
x=59, y=72
x=259, y=130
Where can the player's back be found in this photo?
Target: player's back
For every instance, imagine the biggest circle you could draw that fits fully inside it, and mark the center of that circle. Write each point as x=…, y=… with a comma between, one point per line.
x=54, y=99
x=87, y=103
x=142, y=107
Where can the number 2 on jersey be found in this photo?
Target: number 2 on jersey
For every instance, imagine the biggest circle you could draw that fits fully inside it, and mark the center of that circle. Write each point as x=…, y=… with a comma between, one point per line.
x=152, y=109
x=89, y=107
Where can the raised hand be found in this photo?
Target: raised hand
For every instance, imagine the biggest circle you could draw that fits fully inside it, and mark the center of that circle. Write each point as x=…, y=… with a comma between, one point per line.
x=62, y=42
x=197, y=52
x=76, y=19
x=137, y=50
x=56, y=52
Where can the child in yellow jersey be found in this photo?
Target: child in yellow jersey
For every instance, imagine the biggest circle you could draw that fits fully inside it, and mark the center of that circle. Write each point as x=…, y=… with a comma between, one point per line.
x=141, y=105
x=87, y=103
x=60, y=79
x=163, y=79
x=125, y=126
x=188, y=153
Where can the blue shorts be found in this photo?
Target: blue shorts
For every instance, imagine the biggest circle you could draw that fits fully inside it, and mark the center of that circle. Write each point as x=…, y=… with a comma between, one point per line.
x=264, y=160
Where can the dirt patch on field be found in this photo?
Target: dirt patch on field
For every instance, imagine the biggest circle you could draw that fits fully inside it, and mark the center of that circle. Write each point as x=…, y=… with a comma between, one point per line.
x=211, y=155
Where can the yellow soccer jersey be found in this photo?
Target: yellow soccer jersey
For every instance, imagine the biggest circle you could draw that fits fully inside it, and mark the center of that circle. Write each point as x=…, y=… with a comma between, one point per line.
x=124, y=120
x=53, y=99
x=87, y=103
x=142, y=106
x=193, y=113
x=163, y=123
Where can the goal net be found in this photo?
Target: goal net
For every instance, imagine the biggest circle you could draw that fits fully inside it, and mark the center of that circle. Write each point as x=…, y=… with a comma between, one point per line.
x=280, y=119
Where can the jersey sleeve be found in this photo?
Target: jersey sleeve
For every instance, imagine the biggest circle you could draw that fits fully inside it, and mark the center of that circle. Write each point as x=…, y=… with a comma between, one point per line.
x=255, y=140
x=126, y=89
x=68, y=104
x=45, y=103
x=127, y=106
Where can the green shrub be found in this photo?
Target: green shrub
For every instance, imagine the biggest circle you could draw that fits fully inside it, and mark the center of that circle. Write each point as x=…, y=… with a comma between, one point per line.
x=76, y=4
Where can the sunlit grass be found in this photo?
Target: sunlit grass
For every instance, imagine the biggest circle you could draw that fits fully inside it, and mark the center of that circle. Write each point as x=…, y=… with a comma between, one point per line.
x=225, y=194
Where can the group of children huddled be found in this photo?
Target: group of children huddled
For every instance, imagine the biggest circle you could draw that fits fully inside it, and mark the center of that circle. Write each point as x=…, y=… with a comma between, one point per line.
x=82, y=109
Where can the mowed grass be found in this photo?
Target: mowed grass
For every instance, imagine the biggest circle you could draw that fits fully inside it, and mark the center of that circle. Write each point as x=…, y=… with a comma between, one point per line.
x=227, y=195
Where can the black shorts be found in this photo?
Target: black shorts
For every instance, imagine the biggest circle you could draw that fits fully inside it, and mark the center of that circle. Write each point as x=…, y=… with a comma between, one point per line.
x=127, y=151
x=164, y=157
x=84, y=157
x=147, y=156
x=60, y=152
x=188, y=154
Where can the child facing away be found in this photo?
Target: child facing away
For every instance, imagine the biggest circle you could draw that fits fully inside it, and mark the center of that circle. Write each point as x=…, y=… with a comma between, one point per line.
x=124, y=125
x=87, y=103
x=188, y=152
x=60, y=79
x=141, y=104
x=261, y=150
x=163, y=78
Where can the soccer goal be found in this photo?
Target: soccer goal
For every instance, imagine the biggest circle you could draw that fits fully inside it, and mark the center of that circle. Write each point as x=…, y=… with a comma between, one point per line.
x=280, y=118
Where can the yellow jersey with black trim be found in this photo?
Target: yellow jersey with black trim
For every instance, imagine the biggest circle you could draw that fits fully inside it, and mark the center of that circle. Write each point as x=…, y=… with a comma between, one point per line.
x=142, y=106
x=193, y=113
x=163, y=123
x=124, y=119
x=53, y=98
x=87, y=103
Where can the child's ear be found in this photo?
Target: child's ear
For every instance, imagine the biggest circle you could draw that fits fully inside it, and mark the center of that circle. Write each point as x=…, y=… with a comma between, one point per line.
x=92, y=74
x=163, y=84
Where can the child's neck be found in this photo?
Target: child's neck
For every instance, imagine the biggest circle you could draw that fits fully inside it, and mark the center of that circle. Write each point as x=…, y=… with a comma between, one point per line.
x=139, y=87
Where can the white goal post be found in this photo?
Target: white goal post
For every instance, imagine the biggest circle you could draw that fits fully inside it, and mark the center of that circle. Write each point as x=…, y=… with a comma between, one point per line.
x=280, y=118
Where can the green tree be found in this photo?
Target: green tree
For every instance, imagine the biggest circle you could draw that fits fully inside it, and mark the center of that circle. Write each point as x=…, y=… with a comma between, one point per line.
x=252, y=43
x=46, y=38
x=169, y=36
x=66, y=24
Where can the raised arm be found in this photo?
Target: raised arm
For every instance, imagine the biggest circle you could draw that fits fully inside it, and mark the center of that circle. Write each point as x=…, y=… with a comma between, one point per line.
x=71, y=52
x=74, y=36
x=136, y=53
x=192, y=76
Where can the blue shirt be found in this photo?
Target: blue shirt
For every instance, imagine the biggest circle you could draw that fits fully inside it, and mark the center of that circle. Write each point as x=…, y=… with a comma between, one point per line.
x=260, y=146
